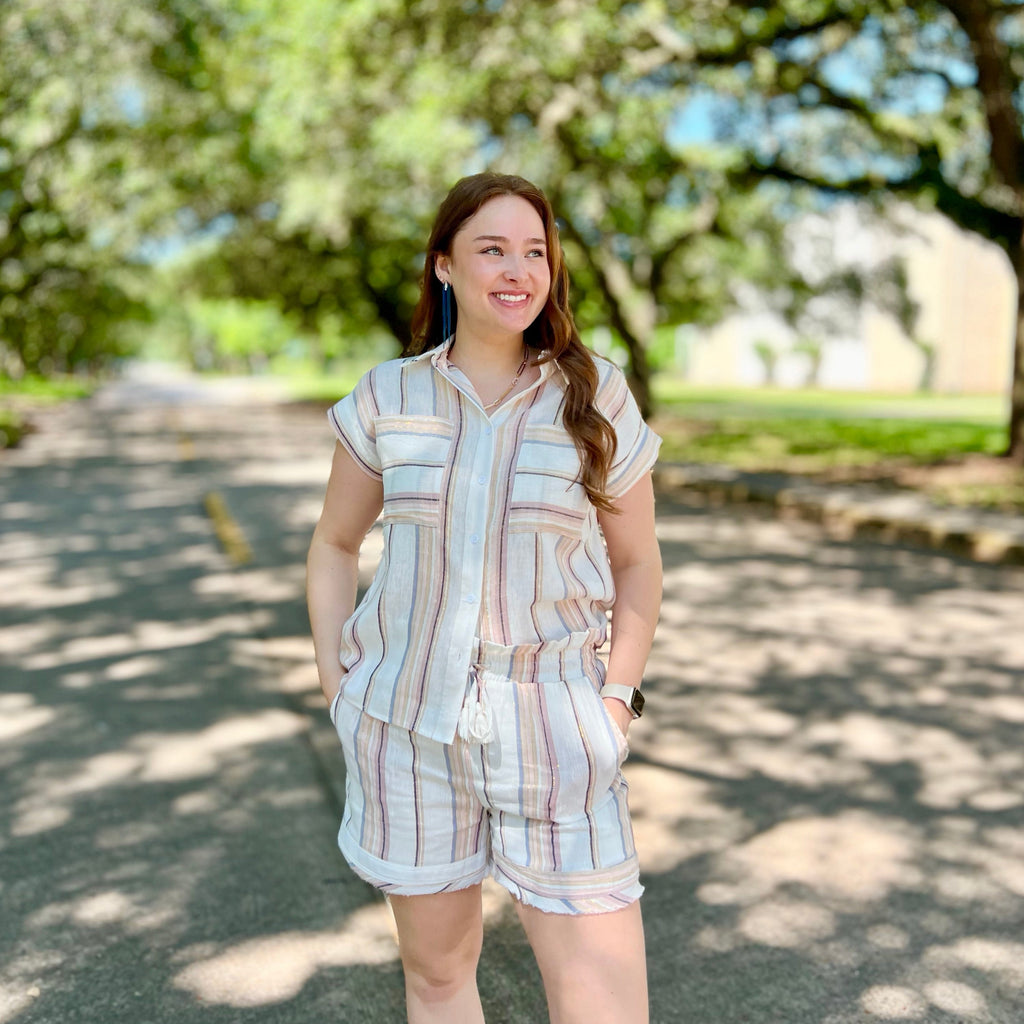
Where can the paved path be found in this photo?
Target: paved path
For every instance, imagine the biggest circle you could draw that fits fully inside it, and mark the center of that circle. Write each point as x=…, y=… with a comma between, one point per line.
x=828, y=789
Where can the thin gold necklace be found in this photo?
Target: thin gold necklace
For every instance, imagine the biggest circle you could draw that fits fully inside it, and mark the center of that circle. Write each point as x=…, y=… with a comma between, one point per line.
x=515, y=380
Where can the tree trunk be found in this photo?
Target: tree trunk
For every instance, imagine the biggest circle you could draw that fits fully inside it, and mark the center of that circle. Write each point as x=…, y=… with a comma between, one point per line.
x=1015, y=444
x=638, y=372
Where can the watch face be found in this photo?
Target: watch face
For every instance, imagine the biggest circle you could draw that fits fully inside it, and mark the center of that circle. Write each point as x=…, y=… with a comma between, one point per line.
x=637, y=703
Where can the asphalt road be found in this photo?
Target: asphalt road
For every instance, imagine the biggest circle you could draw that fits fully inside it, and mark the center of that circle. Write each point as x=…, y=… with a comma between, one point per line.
x=828, y=787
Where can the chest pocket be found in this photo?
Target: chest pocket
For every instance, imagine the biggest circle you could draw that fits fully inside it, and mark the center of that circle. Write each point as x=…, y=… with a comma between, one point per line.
x=547, y=496
x=413, y=454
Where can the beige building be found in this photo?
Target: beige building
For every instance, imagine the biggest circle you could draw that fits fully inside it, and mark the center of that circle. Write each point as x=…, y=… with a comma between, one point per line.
x=964, y=286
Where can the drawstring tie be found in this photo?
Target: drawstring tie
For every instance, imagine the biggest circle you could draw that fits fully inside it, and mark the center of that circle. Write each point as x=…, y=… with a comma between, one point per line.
x=475, y=725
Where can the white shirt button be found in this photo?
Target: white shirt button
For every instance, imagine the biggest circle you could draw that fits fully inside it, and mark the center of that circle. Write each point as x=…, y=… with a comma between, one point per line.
x=481, y=479
x=470, y=599
x=475, y=539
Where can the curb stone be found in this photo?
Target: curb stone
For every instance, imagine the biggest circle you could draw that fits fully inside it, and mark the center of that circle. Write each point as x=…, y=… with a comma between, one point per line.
x=848, y=510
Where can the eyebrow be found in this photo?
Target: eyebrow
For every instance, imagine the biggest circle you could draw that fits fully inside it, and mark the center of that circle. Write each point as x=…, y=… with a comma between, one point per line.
x=502, y=238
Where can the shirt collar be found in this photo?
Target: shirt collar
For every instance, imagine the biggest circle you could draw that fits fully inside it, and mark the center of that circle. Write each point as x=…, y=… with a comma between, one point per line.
x=439, y=357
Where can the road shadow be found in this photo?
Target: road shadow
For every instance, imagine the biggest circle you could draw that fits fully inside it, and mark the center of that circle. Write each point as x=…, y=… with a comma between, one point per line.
x=827, y=788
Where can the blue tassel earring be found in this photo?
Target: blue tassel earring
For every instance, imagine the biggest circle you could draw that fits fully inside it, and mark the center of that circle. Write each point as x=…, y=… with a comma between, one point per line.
x=446, y=313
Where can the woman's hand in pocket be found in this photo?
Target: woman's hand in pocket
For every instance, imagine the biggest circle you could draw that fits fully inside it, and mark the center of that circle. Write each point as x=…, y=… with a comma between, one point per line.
x=331, y=683
x=620, y=714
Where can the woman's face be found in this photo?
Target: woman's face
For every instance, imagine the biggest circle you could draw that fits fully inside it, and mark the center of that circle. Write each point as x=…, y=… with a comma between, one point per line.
x=498, y=268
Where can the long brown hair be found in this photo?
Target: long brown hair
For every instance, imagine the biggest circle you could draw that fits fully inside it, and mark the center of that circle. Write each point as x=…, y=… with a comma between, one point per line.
x=554, y=329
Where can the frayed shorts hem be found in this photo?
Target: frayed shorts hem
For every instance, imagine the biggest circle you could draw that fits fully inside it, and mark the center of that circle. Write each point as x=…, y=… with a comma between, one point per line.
x=575, y=907
x=405, y=880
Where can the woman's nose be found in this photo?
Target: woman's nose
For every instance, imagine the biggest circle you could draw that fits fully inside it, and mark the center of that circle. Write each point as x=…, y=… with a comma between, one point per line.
x=514, y=268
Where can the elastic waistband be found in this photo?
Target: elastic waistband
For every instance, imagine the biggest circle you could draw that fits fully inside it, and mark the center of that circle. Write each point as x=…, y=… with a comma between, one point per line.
x=572, y=657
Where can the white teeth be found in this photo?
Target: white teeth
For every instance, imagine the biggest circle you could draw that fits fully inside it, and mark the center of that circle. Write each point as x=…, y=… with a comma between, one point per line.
x=511, y=298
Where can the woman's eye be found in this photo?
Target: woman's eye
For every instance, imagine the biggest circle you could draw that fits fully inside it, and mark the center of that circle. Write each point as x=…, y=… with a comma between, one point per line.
x=537, y=252
x=493, y=249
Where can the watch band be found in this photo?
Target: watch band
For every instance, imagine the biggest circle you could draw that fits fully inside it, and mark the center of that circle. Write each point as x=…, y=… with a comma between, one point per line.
x=629, y=695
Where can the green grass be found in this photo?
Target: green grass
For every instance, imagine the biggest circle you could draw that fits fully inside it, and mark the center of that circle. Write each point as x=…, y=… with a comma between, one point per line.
x=19, y=397
x=890, y=439
x=47, y=389
x=810, y=430
x=812, y=444
x=307, y=383
x=326, y=389
x=13, y=427
x=675, y=396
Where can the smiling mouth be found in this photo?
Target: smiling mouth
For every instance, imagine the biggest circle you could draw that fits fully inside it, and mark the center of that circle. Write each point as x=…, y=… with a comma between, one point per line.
x=507, y=297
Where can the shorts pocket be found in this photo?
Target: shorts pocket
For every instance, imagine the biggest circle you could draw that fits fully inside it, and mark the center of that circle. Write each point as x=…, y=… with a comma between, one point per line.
x=556, y=755
x=332, y=709
x=620, y=736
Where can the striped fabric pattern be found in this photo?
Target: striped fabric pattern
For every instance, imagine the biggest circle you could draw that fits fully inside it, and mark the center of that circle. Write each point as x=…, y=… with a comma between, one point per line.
x=488, y=535
x=542, y=808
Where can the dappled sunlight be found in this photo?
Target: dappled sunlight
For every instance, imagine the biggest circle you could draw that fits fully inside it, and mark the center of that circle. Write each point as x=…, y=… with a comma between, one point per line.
x=149, y=899
x=290, y=473
x=732, y=714
x=170, y=756
x=982, y=872
x=18, y=640
x=269, y=585
x=148, y=758
x=78, y=649
x=952, y=770
x=15, y=999
x=827, y=789
x=20, y=714
x=274, y=968
x=893, y=1002
x=162, y=691
x=786, y=923
x=796, y=765
x=849, y=730
x=132, y=667
x=852, y=858
x=145, y=636
x=956, y=998
x=1002, y=959
x=676, y=818
x=13, y=510
x=47, y=801
x=1005, y=707
x=684, y=749
x=37, y=586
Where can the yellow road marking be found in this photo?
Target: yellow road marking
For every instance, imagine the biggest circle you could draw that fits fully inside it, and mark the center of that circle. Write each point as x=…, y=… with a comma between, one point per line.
x=229, y=533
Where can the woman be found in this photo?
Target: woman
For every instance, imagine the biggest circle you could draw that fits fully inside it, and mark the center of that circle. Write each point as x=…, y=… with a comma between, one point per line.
x=482, y=735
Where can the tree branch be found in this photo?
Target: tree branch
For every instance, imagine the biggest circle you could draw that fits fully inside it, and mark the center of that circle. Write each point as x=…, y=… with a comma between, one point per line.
x=997, y=85
x=967, y=212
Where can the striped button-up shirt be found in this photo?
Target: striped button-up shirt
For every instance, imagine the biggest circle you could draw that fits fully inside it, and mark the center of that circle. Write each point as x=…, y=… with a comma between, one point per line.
x=489, y=537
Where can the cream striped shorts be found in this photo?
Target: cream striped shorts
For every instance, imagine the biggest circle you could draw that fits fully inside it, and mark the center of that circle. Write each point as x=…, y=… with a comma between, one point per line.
x=533, y=796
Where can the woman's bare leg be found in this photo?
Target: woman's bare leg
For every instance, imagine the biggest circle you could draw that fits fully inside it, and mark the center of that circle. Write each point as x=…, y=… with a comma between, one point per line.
x=439, y=938
x=593, y=965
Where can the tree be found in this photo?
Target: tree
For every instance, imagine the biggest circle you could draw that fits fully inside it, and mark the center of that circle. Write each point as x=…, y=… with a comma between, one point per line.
x=103, y=104
x=352, y=120
x=657, y=232
x=871, y=98
x=768, y=354
x=60, y=294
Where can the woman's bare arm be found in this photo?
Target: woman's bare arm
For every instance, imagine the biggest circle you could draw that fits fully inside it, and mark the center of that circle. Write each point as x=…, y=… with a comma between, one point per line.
x=354, y=500
x=636, y=569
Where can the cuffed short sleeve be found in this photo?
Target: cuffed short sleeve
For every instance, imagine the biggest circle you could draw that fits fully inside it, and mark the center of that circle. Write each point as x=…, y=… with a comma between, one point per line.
x=637, y=445
x=354, y=420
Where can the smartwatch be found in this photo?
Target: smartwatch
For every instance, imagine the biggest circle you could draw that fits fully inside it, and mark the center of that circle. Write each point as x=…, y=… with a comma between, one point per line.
x=629, y=695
